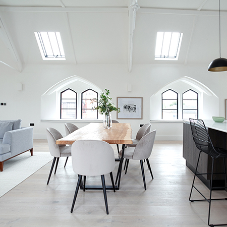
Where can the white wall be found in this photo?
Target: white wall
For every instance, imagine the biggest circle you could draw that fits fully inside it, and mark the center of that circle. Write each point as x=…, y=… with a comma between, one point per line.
x=146, y=80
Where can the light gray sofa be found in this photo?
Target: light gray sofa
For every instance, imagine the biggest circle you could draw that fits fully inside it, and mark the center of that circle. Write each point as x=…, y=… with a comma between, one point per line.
x=14, y=140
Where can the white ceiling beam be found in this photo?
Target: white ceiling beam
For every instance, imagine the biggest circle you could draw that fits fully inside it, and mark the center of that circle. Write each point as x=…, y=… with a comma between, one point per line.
x=62, y=4
x=190, y=41
x=179, y=11
x=4, y=34
x=133, y=8
x=202, y=4
x=49, y=9
x=70, y=34
x=60, y=9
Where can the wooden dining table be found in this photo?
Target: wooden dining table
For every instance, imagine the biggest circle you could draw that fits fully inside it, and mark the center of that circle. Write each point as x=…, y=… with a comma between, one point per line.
x=119, y=133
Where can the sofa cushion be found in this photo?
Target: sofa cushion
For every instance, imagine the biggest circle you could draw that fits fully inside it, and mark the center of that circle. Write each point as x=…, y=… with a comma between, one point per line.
x=4, y=148
x=16, y=123
x=5, y=127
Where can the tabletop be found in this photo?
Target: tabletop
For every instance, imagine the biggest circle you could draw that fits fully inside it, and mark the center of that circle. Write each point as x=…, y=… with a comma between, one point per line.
x=119, y=133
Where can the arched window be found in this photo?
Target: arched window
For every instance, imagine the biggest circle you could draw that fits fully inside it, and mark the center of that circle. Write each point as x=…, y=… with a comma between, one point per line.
x=169, y=105
x=68, y=104
x=190, y=104
x=89, y=100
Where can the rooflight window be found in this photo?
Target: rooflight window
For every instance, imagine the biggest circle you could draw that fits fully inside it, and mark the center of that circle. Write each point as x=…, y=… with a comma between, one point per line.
x=50, y=45
x=168, y=45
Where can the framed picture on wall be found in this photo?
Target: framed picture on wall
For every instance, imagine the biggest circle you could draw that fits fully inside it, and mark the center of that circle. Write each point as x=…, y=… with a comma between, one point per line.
x=130, y=107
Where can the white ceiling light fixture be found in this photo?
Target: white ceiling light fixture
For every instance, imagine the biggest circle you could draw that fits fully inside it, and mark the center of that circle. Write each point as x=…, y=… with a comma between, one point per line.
x=168, y=45
x=50, y=45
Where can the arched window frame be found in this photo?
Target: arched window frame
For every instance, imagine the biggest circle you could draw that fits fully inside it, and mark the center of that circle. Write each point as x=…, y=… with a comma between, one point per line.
x=197, y=103
x=67, y=108
x=170, y=99
x=82, y=101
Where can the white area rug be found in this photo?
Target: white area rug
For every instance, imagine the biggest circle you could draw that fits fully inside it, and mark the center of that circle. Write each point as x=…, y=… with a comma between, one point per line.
x=21, y=167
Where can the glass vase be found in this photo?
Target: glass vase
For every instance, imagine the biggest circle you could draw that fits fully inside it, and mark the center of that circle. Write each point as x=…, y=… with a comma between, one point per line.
x=107, y=120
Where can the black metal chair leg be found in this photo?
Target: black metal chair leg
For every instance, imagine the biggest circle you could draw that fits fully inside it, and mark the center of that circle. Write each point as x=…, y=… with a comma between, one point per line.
x=194, y=177
x=66, y=161
x=125, y=163
x=118, y=148
x=76, y=192
x=56, y=166
x=126, y=166
x=144, y=182
x=111, y=177
x=149, y=167
x=51, y=169
x=84, y=183
x=104, y=193
x=211, y=187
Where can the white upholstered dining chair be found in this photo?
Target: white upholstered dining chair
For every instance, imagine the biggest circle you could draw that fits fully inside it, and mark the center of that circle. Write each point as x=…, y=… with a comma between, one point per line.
x=56, y=151
x=141, y=152
x=92, y=158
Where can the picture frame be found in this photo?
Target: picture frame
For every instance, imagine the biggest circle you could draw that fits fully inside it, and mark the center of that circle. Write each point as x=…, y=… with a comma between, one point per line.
x=226, y=109
x=130, y=107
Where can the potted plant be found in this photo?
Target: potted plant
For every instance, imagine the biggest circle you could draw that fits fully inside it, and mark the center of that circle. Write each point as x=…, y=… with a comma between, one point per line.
x=105, y=107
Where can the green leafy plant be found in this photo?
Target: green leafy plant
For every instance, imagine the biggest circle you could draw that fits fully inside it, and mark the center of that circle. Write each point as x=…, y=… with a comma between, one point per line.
x=105, y=106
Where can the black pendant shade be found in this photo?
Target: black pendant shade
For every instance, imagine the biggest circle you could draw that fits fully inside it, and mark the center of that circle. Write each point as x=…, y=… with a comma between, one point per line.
x=218, y=65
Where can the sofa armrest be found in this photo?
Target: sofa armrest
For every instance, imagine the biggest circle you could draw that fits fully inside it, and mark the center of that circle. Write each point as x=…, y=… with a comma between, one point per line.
x=20, y=140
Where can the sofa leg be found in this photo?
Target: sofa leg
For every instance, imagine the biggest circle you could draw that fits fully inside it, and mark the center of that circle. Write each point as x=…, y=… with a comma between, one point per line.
x=31, y=150
x=1, y=166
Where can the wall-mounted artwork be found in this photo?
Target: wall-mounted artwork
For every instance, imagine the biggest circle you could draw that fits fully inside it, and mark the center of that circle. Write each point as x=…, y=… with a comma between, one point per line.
x=130, y=107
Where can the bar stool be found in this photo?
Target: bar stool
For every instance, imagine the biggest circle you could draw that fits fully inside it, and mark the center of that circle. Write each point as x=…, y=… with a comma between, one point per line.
x=204, y=144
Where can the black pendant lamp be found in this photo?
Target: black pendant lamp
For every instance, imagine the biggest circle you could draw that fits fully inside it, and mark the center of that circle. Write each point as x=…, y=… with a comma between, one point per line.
x=219, y=64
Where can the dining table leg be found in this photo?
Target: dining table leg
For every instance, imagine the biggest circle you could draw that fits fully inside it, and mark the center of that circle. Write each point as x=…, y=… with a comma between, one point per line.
x=118, y=178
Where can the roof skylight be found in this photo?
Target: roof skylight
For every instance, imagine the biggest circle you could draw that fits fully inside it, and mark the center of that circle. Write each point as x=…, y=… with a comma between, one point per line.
x=168, y=45
x=50, y=45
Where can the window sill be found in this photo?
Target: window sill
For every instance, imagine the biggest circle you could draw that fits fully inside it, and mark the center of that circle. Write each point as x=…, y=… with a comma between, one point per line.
x=167, y=121
x=73, y=120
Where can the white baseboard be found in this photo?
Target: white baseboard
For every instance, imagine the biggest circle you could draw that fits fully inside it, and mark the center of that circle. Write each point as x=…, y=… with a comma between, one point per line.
x=39, y=136
x=167, y=137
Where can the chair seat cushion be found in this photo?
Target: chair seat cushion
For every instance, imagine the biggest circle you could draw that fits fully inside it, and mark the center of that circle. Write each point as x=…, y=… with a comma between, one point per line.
x=135, y=142
x=128, y=153
x=4, y=148
x=65, y=151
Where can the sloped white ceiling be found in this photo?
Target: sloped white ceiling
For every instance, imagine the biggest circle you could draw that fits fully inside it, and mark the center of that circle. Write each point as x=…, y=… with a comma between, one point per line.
x=97, y=32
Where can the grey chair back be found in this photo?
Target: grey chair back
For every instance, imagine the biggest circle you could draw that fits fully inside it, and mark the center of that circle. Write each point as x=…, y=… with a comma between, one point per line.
x=52, y=136
x=69, y=128
x=92, y=157
x=144, y=147
x=115, y=121
x=143, y=131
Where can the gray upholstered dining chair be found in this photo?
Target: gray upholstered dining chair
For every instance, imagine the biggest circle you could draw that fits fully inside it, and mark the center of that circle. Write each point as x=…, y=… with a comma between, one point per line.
x=141, y=132
x=92, y=158
x=115, y=121
x=141, y=152
x=56, y=151
x=69, y=128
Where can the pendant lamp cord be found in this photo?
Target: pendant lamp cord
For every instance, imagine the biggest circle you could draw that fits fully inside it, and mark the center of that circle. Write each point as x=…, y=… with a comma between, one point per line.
x=219, y=29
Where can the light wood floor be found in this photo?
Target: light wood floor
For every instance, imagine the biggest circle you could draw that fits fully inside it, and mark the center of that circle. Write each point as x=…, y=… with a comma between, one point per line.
x=164, y=203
